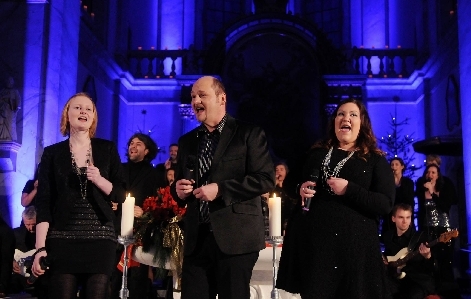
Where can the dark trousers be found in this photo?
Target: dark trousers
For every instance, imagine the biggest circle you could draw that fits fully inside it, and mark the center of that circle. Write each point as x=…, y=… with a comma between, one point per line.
x=208, y=271
x=7, y=249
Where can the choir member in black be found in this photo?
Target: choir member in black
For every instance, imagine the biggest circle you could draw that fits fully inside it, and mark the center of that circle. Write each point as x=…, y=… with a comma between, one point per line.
x=287, y=202
x=30, y=190
x=435, y=198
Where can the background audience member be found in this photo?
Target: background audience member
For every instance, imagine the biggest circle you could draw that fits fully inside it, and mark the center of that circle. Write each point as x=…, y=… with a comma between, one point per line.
x=287, y=203
x=404, y=192
x=141, y=182
x=79, y=179
x=7, y=249
x=434, y=200
x=333, y=250
x=30, y=190
x=171, y=162
x=418, y=281
x=170, y=176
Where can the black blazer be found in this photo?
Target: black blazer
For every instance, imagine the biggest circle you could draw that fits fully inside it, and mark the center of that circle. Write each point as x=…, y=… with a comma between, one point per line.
x=144, y=185
x=243, y=170
x=58, y=185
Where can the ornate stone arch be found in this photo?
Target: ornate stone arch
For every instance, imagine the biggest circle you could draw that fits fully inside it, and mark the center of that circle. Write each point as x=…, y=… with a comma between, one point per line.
x=272, y=66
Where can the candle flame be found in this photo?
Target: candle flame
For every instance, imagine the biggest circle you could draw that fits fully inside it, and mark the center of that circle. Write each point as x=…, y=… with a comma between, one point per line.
x=274, y=194
x=129, y=194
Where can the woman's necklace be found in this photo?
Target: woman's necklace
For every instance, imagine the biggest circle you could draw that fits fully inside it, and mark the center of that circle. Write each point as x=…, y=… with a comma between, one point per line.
x=328, y=173
x=82, y=175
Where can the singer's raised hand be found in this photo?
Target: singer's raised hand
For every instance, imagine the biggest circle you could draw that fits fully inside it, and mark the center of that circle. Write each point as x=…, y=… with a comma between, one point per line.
x=338, y=185
x=307, y=189
x=93, y=173
x=184, y=188
x=428, y=185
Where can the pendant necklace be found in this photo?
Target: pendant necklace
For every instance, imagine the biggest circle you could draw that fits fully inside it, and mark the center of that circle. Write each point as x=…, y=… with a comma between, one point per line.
x=328, y=173
x=81, y=172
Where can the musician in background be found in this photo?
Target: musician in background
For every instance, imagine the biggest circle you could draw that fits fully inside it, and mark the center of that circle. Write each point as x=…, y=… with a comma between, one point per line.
x=418, y=281
x=25, y=238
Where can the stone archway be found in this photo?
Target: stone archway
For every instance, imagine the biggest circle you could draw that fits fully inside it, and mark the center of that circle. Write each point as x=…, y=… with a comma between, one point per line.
x=272, y=66
x=273, y=81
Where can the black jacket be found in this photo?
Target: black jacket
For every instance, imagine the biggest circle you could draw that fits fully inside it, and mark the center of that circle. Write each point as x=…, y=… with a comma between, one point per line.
x=243, y=170
x=57, y=182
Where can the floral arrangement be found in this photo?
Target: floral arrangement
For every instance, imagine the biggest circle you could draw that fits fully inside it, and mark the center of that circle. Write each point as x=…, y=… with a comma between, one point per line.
x=163, y=205
x=158, y=230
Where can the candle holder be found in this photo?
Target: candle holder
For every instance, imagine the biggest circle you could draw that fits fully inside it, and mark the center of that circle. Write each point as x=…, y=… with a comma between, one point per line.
x=125, y=241
x=274, y=241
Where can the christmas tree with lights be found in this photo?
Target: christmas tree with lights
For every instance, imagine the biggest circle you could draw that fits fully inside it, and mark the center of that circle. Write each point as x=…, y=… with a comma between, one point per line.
x=398, y=145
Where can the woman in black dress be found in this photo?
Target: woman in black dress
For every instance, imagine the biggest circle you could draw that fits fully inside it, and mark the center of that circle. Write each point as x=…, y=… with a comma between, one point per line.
x=79, y=178
x=435, y=197
x=333, y=250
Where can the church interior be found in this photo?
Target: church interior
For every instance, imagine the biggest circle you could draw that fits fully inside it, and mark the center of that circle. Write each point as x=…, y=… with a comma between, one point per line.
x=286, y=64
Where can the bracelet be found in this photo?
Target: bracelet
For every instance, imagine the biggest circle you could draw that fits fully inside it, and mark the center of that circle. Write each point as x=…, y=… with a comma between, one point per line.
x=39, y=250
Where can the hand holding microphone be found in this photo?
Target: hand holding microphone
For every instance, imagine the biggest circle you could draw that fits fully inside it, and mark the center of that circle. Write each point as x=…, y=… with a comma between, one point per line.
x=184, y=187
x=40, y=264
x=308, y=189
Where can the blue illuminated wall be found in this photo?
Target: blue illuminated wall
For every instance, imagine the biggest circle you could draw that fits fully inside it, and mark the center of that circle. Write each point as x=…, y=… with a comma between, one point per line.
x=465, y=74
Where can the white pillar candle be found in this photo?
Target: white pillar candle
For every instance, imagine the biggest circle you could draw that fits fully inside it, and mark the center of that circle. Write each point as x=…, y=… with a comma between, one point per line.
x=127, y=216
x=274, y=215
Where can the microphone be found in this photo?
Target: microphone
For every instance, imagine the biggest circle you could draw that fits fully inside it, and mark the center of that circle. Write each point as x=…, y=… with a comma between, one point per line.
x=313, y=178
x=44, y=263
x=189, y=171
x=428, y=180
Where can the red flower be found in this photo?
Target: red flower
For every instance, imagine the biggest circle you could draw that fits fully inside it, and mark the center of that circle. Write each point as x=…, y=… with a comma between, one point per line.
x=162, y=207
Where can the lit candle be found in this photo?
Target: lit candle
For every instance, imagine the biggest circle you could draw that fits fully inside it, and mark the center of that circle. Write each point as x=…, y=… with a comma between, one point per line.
x=274, y=215
x=127, y=216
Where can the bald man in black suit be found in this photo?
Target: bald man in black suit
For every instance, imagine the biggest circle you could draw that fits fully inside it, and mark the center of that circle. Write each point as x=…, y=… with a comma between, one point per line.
x=224, y=228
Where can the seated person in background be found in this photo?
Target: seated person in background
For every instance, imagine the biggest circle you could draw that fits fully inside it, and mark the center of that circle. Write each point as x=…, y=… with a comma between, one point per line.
x=30, y=190
x=7, y=249
x=25, y=237
x=418, y=281
x=287, y=203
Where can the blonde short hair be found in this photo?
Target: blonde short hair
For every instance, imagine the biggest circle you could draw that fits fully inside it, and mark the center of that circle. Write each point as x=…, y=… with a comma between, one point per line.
x=65, y=125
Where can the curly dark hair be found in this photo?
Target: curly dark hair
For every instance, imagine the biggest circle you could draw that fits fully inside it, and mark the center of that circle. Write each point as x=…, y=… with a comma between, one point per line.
x=440, y=181
x=150, y=144
x=366, y=141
